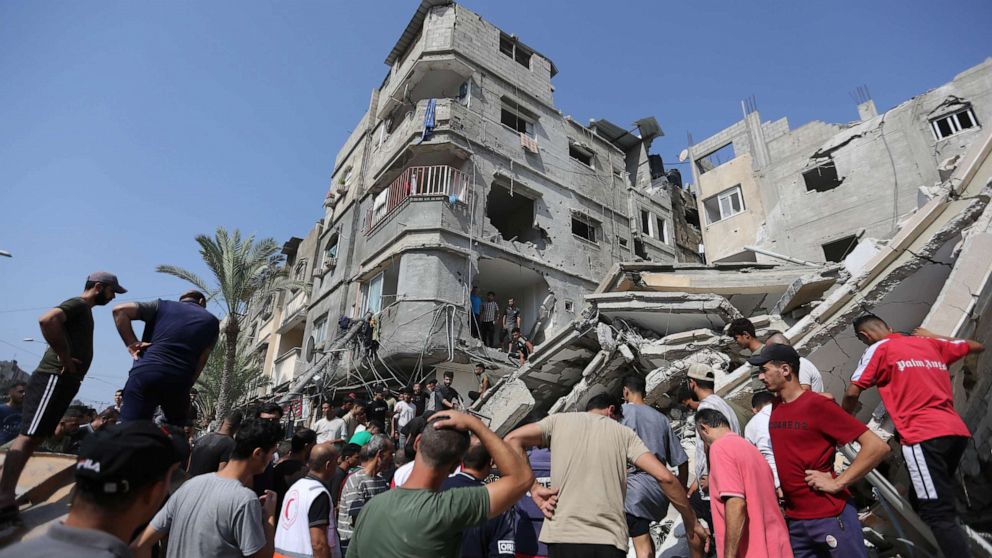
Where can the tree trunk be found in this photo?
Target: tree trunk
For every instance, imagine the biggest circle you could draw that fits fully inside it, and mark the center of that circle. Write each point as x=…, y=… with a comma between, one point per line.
x=231, y=336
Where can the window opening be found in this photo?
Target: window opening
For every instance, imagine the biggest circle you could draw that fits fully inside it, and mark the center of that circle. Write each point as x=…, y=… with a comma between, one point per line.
x=837, y=250
x=512, y=49
x=715, y=158
x=512, y=116
x=580, y=154
x=724, y=205
x=951, y=124
x=320, y=329
x=584, y=227
x=822, y=178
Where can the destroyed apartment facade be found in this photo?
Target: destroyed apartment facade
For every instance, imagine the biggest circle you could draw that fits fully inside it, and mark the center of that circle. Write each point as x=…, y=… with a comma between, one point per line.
x=461, y=173
x=932, y=270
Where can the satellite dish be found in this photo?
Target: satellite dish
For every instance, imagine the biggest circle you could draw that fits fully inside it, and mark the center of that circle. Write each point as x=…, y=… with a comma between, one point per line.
x=309, y=351
x=683, y=155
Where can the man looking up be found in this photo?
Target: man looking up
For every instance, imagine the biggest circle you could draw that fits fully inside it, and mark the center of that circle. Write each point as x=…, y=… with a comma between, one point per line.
x=645, y=502
x=419, y=520
x=495, y=537
x=216, y=514
x=68, y=330
x=122, y=477
x=591, y=452
x=746, y=519
x=806, y=429
x=912, y=376
x=173, y=350
x=317, y=535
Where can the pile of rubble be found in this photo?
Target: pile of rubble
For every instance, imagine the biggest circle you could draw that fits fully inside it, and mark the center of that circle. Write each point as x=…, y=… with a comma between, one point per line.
x=656, y=319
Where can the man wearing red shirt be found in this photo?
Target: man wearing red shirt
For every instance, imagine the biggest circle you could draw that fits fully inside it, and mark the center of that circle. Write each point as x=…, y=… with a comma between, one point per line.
x=806, y=428
x=913, y=380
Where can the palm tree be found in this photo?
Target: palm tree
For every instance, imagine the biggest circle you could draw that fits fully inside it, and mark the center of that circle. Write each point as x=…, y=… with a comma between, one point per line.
x=244, y=381
x=241, y=268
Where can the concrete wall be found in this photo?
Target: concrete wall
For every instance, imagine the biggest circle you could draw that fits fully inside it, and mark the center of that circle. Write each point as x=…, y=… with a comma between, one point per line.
x=883, y=162
x=727, y=238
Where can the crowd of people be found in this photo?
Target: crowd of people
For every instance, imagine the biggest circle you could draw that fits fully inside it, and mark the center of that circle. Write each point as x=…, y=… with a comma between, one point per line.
x=409, y=473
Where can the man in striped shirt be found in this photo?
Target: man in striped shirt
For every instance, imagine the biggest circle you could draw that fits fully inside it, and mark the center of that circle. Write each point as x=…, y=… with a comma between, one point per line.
x=487, y=319
x=363, y=484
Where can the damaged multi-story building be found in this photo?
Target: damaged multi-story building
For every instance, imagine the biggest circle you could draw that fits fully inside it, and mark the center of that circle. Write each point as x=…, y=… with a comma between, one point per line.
x=927, y=265
x=463, y=173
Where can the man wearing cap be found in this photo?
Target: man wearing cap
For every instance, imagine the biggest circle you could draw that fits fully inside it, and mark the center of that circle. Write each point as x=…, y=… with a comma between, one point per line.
x=216, y=514
x=174, y=347
x=122, y=477
x=702, y=381
x=68, y=330
x=805, y=429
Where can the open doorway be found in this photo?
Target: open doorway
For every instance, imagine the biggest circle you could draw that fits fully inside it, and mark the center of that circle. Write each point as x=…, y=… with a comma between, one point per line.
x=509, y=280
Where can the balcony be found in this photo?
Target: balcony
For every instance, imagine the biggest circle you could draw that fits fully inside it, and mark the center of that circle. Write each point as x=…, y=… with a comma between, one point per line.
x=430, y=182
x=295, y=312
x=284, y=368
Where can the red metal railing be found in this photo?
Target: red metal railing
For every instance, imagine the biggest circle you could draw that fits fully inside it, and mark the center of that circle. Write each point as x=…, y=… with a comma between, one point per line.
x=432, y=181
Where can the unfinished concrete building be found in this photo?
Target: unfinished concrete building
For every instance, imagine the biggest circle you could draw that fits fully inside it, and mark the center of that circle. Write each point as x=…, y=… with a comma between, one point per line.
x=462, y=173
x=814, y=192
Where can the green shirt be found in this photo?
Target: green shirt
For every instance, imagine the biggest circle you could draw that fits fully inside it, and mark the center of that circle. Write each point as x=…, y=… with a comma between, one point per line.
x=79, y=334
x=415, y=523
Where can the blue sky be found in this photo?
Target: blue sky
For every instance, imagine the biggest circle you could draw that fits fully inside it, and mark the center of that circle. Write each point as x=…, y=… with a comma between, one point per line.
x=130, y=127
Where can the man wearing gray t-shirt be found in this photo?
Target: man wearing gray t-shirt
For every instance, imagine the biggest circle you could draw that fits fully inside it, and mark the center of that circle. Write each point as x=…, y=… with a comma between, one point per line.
x=216, y=514
x=645, y=502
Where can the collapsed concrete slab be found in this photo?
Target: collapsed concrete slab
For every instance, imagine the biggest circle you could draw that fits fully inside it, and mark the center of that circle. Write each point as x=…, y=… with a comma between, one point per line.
x=661, y=381
x=665, y=313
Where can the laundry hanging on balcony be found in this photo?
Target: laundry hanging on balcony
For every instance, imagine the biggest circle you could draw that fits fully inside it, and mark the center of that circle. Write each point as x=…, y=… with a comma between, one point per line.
x=429, y=120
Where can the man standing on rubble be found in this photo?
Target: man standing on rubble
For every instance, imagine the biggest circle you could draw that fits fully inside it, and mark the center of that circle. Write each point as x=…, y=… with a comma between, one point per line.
x=805, y=430
x=702, y=381
x=68, y=330
x=585, y=505
x=173, y=350
x=742, y=330
x=911, y=373
x=645, y=502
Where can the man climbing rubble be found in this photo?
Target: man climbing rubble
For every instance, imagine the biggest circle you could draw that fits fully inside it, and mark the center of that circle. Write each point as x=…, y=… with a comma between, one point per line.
x=912, y=376
x=743, y=332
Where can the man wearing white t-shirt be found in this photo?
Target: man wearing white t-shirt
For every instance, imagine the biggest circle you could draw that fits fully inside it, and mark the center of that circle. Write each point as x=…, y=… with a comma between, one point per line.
x=756, y=431
x=330, y=428
x=403, y=413
x=743, y=332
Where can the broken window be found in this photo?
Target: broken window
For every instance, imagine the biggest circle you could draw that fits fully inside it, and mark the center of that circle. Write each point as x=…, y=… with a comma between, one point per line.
x=514, y=116
x=822, y=178
x=715, y=158
x=622, y=241
x=585, y=227
x=953, y=123
x=513, y=214
x=645, y=222
x=512, y=49
x=837, y=250
x=724, y=205
x=580, y=154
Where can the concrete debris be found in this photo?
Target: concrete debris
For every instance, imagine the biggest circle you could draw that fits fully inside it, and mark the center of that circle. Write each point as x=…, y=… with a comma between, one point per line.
x=934, y=271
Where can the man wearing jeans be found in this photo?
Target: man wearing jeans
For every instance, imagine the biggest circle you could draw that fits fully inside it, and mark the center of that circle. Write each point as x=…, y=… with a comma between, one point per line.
x=805, y=429
x=913, y=380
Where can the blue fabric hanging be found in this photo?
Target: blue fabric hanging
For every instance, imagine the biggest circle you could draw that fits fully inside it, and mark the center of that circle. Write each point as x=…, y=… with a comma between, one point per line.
x=429, y=120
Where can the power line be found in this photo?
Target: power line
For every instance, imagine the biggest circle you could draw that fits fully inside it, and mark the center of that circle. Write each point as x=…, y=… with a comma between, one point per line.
x=37, y=308
x=19, y=348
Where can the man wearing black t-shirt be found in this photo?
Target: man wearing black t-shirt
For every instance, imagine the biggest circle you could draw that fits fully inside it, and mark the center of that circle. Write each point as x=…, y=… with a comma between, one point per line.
x=213, y=450
x=450, y=398
x=377, y=409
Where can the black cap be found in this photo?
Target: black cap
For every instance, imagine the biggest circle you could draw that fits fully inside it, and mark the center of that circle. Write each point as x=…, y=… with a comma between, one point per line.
x=108, y=279
x=126, y=456
x=776, y=352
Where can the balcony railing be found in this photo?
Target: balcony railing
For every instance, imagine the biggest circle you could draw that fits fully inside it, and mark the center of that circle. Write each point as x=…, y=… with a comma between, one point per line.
x=424, y=182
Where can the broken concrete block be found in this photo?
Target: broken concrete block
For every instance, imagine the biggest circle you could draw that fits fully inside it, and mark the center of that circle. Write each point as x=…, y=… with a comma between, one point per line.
x=665, y=312
x=662, y=380
x=504, y=411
